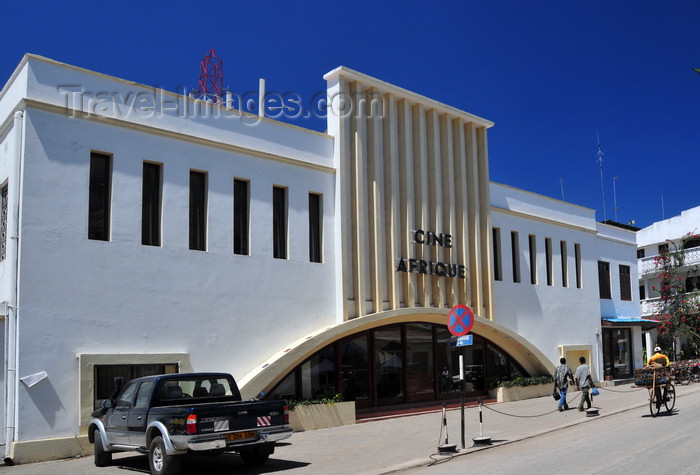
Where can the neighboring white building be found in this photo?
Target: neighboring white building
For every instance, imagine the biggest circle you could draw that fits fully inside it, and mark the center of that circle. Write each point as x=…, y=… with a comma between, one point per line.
x=651, y=241
x=148, y=232
x=564, y=281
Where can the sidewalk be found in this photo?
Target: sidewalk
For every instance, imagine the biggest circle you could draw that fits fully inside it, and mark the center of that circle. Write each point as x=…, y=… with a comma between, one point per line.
x=401, y=443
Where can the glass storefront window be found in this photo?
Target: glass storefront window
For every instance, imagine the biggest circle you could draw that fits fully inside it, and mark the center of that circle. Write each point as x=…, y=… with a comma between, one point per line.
x=397, y=364
x=497, y=363
x=388, y=365
x=448, y=363
x=419, y=354
x=355, y=360
x=286, y=389
x=473, y=365
x=318, y=375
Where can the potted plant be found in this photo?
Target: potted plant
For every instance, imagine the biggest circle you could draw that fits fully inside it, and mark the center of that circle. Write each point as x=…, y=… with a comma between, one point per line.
x=520, y=388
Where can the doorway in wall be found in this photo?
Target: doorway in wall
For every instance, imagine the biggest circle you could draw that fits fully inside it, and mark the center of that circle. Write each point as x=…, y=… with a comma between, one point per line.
x=617, y=353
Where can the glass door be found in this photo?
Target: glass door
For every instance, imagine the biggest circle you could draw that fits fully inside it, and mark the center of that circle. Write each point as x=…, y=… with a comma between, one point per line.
x=617, y=353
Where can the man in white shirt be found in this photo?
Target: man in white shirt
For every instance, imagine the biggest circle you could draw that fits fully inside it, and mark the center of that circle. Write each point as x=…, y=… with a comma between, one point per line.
x=583, y=383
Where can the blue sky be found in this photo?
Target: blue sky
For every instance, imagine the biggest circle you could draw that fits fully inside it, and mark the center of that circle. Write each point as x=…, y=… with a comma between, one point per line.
x=551, y=75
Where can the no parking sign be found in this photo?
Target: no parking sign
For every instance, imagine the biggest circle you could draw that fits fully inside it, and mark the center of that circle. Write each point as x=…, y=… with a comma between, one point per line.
x=460, y=320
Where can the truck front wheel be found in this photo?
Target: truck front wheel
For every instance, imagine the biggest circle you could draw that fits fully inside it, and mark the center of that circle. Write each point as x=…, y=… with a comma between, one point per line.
x=161, y=463
x=102, y=457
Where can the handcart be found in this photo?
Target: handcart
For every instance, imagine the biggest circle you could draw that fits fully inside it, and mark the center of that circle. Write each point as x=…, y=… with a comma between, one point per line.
x=659, y=383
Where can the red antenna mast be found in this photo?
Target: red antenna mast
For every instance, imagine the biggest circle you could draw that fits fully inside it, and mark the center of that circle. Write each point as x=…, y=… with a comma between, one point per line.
x=211, y=78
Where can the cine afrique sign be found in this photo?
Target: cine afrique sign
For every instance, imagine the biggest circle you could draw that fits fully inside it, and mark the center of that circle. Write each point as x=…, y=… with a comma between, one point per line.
x=427, y=267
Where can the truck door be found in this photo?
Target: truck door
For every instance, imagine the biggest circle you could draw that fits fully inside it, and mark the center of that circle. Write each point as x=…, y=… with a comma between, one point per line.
x=138, y=414
x=117, y=417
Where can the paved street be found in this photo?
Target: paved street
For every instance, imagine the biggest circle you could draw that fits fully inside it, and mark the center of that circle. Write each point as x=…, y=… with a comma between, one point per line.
x=626, y=442
x=407, y=443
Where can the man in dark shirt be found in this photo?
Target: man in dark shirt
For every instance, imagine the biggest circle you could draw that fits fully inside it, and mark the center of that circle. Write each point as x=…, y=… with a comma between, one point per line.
x=562, y=376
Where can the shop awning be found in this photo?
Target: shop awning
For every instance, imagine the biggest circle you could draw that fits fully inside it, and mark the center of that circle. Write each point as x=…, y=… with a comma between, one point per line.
x=629, y=321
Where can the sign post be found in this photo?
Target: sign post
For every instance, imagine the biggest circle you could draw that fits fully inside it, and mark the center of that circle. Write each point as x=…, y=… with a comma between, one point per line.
x=460, y=321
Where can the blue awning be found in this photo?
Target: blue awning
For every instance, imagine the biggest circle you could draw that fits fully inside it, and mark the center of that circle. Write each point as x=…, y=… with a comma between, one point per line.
x=629, y=321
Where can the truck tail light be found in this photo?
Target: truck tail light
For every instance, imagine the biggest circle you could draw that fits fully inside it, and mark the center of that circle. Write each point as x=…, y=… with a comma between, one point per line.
x=192, y=424
x=286, y=414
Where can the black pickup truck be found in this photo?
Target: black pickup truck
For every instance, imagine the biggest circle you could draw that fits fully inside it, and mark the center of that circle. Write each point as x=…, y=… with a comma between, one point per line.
x=168, y=416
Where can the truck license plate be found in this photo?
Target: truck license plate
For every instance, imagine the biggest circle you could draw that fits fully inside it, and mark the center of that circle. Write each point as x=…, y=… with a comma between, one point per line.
x=251, y=434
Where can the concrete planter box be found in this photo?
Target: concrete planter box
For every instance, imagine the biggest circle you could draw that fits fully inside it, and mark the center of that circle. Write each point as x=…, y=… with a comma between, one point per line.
x=518, y=393
x=321, y=416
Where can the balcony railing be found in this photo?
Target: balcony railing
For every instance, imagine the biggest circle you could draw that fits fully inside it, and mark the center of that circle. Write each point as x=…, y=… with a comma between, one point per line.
x=646, y=264
x=650, y=307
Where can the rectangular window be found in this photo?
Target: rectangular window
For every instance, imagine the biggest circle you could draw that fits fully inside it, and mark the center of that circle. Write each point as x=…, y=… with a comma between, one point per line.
x=640, y=253
x=533, y=259
x=105, y=374
x=564, y=266
x=642, y=293
x=241, y=213
x=497, y=270
x=279, y=222
x=625, y=283
x=315, y=228
x=150, y=206
x=515, y=255
x=3, y=224
x=99, y=199
x=548, y=258
x=198, y=211
x=663, y=248
x=579, y=275
x=604, y=280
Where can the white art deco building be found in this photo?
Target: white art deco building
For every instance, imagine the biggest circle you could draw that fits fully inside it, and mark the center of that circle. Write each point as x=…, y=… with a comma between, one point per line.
x=145, y=232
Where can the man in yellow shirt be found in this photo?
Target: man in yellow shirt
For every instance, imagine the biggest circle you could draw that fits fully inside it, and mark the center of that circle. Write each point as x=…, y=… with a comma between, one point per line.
x=658, y=358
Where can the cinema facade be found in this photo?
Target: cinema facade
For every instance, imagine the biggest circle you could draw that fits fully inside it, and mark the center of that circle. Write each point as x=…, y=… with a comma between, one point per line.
x=143, y=236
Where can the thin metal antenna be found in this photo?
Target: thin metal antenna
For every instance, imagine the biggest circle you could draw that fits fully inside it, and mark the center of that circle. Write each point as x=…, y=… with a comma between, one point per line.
x=663, y=214
x=602, y=187
x=561, y=183
x=615, y=198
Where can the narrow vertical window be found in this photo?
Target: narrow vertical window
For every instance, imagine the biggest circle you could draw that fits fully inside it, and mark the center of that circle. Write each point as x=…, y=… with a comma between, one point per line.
x=577, y=257
x=198, y=211
x=279, y=222
x=315, y=228
x=642, y=293
x=515, y=255
x=99, y=199
x=241, y=213
x=3, y=223
x=564, y=264
x=497, y=270
x=150, y=206
x=604, y=279
x=625, y=283
x=533, y=259
x=548, y=260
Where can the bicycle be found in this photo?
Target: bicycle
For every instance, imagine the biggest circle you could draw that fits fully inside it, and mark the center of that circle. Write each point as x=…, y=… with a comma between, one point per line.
x=662, y=392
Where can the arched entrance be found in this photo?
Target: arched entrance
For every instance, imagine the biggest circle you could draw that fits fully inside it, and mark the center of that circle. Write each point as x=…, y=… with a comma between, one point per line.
x=400, y=358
